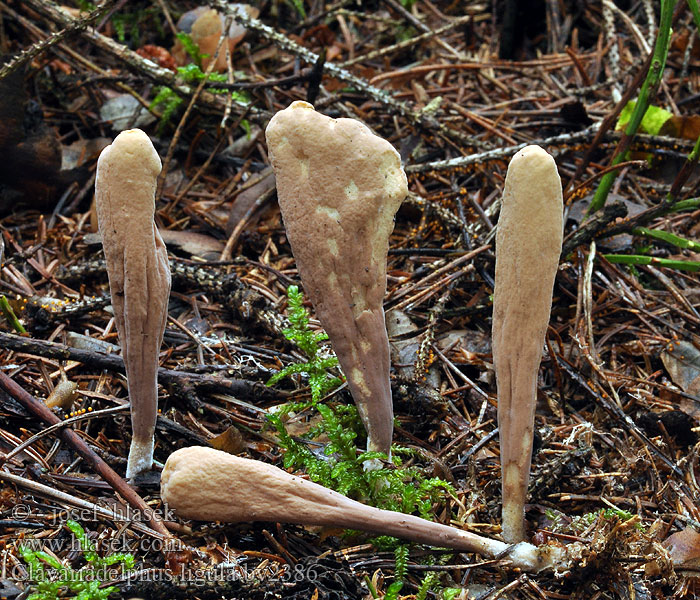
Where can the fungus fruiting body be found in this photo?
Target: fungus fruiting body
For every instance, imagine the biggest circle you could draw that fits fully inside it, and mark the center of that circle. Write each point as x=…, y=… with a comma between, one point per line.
x=139, y=275
x=528, y=245
x=339, y=187
x=206, y=484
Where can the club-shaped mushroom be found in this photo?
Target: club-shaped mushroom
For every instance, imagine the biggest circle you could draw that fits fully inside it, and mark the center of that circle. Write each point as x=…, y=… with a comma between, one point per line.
x=339, y=187
x=139, y=276
x=528, y=245
x=209, y=485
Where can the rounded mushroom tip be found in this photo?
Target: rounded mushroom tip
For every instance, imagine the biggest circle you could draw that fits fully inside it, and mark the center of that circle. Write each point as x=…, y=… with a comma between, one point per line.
x=533, y=164
x=301, y=104
x=179, y=467
x=532, y=153
x=284, y=119
x=179, y=459
x=189, y=461
x=132, y=134
x=135, y=143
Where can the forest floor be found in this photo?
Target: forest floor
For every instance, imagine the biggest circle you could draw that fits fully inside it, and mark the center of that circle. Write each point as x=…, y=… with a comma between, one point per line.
x=457, y=88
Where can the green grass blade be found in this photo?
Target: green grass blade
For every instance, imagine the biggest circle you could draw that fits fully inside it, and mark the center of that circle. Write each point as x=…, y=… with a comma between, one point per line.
x=689, y=204
x=696, y=12
x=669, y=238
x=9, y=314
x=646, y=95
x=639, y=259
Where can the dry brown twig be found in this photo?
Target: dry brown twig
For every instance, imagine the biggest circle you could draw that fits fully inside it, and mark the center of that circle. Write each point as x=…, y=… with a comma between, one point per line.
x=39, y=410
x=36, y=49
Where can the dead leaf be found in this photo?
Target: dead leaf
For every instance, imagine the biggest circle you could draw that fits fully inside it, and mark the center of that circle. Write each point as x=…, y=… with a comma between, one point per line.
x=242, y=145
x=248, y=197
x=686, y=127
x=85, y=342
x=82, y=151
x=195, y=244
x=682, y=361
x=230, y=441
x=125, y=111
x=404, y=341
x=680, y=41
x=684, y=548
x=158, y=55
x=470, y=341
x=176, y=561
x=204, y=25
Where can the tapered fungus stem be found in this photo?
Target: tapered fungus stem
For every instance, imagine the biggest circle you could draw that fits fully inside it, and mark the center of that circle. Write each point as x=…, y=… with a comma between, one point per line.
x=209, y=485
x=528, y=244
x=339, y=187
x=139, y=276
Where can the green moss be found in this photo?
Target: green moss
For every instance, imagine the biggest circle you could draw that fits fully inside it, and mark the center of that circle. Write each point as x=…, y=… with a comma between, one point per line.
x=51, y=578
x=338, y=464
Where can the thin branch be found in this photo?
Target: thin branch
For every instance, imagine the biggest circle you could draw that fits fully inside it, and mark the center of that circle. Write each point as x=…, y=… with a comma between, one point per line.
x=379, y=52
x=158, y=74
x=33, y=51
x=183, y=380
x=501, y=153
x=95, y=509
x=41, y=411
x=361, y=85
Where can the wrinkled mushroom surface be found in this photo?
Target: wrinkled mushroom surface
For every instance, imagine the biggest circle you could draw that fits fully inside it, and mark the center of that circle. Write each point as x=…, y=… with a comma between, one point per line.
x=209, y=485
x=139, y=275
x=339, y=187
x=528, y=245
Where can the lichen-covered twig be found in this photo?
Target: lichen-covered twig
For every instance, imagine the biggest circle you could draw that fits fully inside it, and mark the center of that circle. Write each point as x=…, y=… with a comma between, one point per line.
x=361, y=85
x=36, y=49
x=245, y=302
x=41, y=411
x=501, y=153
x=131, y=59
x=182, y=382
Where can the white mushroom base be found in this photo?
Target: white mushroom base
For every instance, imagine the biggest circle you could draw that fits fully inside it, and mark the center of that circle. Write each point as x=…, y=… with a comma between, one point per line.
x=140, y=458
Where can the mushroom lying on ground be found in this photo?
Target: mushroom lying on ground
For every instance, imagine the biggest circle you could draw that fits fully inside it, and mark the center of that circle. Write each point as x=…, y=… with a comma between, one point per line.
x=528, y=245
x=339, y=187
x=139, y=276
x=209, y=485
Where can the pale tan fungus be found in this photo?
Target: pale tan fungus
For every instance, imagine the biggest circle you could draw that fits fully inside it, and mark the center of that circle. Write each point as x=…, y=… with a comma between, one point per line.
x=139, y=276
x=339, y=187
x=209, y=485
x=528, y=245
